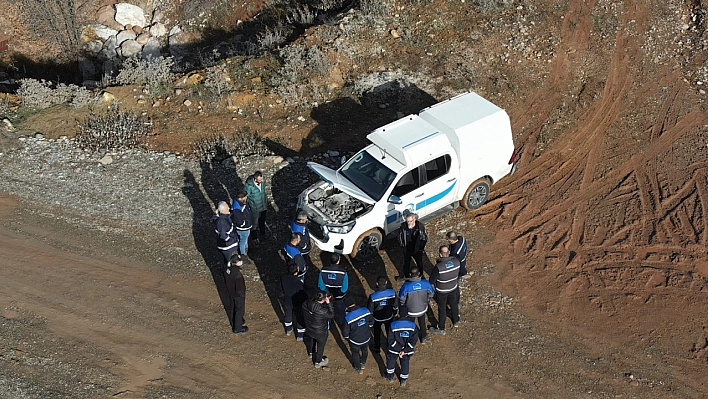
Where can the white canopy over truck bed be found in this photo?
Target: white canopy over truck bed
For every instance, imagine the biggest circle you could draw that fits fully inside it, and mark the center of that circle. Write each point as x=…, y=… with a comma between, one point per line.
x=472, y=122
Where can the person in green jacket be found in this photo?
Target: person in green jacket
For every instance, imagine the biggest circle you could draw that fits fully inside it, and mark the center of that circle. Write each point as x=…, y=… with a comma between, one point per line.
x=255, y=187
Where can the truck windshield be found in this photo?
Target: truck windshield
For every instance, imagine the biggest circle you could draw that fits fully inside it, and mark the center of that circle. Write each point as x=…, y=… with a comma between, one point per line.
x=367, y=173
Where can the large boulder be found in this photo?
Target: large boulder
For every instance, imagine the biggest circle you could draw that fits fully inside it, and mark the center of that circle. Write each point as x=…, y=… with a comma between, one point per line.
x=109, y=49
x=151, y=49
x=130, y=48
x=128, y=14
x=158, y=29
x=106, y=15
x=97, y=31
x=125, y=35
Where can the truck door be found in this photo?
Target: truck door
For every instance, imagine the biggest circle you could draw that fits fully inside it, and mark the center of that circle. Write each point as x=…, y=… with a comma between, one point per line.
x=406, y=189
x=439, y=184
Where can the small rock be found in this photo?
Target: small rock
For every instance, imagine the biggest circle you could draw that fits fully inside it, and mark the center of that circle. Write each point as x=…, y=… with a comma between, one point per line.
x=141, y=101
x=106, y=160
x=187, y=103
x=333, y=153
x=257, y=79
x=301, y=118
x=395, y=34
x=137, y=29
x=38, y=136
x=702, y=91
x=107, y=97
x=156, y=104
x=8, y=125
x=142, y=38
x=178, y=92
x=289, y=160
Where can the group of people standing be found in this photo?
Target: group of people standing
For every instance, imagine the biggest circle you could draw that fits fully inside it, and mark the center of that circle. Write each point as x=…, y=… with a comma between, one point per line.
x=400, y=315
x=234, y=225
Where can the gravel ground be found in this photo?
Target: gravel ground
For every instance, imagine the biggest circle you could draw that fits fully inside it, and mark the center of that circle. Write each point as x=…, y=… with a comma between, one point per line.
x=144, y=193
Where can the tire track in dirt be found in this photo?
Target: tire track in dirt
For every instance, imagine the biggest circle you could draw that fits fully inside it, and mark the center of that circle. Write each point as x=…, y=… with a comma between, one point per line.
x=606, y=220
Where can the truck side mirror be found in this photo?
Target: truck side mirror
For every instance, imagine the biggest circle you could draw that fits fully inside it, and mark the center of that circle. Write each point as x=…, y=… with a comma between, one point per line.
x=395, y=200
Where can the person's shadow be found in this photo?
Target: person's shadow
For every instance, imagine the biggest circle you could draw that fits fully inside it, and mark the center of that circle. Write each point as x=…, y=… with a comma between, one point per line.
x=203, y=235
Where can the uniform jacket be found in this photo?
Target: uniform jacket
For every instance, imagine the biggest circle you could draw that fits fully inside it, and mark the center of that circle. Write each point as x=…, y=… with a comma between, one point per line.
x=383, y=304
x=357, y=326
x=335, y=280
x=241, y=216
x=445, y=274
x=293, y=290
x=414, y=295
x=403, y=337
x=293, y=256
x=305, y=245
x=226, y=237
x=317, y=316
x=413, y=240
x=235, y=285
x=257, y=199
x=459, y=251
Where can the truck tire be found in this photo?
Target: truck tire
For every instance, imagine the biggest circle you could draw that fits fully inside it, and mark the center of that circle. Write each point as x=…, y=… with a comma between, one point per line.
x=367, y=245
x=476, y=195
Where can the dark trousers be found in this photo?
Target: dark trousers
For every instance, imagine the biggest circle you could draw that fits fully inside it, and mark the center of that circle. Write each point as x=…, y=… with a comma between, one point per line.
x=422, y=328
x=463, y=269
x=359, y=354
x=290, y=313
x=339, y=312
x=316, y=345
x=451, y=298
x=259, y=219
x=238, y=308
x=377, y=332
x=417, y=256
x=391, y=364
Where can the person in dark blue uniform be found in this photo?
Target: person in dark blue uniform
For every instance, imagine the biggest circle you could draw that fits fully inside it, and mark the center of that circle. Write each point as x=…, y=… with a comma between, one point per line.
x=458, y=249
x=226, y=237
x=357, y=330
x=383, y=305
x=299, y=226
x=294, y=297
x=401, y=346
x=335, y=280
x=294, y=257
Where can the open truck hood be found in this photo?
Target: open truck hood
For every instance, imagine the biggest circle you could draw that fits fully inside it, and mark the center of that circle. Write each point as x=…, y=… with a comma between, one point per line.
x=334, y=178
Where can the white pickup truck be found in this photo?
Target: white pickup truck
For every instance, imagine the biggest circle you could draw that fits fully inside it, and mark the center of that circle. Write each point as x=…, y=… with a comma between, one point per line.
x=448, y=154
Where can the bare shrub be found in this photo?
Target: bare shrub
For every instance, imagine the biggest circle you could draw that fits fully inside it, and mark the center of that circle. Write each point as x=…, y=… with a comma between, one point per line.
x=83, y=97
x=111, y=130
x=302, y=15
x=375, y=9
x=272, y=38
x=240, y=144
x=153, y=73
x=217, y=80
x=4, y=105
x=294, y=62
x=300, y=61
x=56, y=21
x=303, y=96
x=40, y=94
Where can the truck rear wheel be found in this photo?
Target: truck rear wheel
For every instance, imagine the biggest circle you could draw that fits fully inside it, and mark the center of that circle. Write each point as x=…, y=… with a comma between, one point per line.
x=367, y=245
x=476, y=195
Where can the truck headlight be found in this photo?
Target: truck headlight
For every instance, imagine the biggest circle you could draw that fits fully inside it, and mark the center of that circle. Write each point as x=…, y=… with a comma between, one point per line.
x=341, y=228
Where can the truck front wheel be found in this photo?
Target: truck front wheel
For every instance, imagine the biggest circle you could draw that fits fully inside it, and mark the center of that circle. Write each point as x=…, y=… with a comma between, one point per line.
x=476, y=195
x=367, y=245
